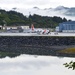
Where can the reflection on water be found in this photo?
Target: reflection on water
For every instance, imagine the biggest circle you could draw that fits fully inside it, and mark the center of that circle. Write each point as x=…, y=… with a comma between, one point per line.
x=35, y=65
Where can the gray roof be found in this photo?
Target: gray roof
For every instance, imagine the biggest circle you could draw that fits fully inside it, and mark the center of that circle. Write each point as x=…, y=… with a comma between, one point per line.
x=69, y=22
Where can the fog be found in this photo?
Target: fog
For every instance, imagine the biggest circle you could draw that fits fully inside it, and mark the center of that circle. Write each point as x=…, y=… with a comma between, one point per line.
x=35, y=65
x=48, y=12
x=60, y=11
x=64, y=8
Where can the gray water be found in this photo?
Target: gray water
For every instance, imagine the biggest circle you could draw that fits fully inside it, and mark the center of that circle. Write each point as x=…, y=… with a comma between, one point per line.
x=35, y=65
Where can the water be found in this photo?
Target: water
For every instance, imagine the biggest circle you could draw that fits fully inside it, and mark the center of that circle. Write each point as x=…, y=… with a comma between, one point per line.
x=35, y=65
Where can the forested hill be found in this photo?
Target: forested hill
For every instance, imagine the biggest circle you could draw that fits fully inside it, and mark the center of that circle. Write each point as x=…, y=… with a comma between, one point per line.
x=17, y=18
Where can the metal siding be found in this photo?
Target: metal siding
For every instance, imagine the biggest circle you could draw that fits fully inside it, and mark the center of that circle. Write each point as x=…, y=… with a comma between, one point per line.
x=67, y=26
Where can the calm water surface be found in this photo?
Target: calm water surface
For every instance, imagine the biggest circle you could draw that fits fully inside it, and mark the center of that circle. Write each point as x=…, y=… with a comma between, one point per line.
x=35, y=65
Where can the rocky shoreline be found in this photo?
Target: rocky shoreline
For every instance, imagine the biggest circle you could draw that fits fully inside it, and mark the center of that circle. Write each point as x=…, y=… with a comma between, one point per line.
x=36, y=45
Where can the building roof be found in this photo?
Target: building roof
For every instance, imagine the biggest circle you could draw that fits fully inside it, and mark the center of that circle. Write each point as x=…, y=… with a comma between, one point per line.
x=69, y=22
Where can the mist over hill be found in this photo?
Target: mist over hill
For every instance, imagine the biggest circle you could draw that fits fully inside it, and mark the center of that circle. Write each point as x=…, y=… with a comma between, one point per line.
x=61, y=11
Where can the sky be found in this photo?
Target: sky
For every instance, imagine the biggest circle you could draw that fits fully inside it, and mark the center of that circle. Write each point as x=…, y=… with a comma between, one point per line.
x=31, y=65
x=26, y=7
x=38, y=3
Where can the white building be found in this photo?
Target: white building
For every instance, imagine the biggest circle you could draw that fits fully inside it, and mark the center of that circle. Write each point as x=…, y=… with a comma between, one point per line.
x=15, y=27
x=57, y=29
x=25, y=27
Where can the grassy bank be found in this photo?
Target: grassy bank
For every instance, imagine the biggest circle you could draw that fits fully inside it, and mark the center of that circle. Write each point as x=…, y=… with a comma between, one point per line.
x=68, y=51
x=4, y=54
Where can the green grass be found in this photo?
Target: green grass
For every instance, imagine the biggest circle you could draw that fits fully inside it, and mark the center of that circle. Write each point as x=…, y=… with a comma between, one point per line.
x=68, y=51
x=4, y=54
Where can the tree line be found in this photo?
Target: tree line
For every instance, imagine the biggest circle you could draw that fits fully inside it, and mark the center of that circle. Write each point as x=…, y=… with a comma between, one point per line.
x=17, y=18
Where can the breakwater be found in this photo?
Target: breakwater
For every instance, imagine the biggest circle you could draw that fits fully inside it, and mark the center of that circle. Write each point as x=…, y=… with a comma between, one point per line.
x=38, y=45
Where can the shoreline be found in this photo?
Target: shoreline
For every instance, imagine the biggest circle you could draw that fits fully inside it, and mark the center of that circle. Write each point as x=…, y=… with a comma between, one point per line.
x=41, y=50
x=36, y=45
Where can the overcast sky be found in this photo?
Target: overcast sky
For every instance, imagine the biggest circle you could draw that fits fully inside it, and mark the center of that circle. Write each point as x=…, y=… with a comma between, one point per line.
x=38, y=3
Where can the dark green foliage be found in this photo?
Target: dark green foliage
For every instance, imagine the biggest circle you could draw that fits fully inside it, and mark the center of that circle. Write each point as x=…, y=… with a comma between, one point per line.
x=70, y=65
x=16, y=18
x=64, y=20
x=45, y=21
x=10, y=54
